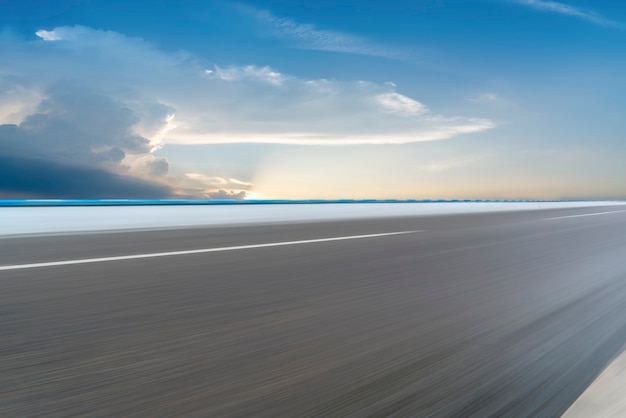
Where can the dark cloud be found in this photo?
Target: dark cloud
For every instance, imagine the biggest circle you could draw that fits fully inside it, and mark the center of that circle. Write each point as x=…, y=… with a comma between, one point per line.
x=34, y=178
x=73, y=147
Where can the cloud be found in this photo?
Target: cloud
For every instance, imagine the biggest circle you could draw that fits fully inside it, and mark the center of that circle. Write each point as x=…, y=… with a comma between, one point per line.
x=76, y=125
x=198, y=103
x=219, y=182
x=78, y=144
x=565, y=9
x=213, y=187
x=255, y=108
x=230, y=195
x=16, y=102
x=307, y=36
x=108, y=101
x=22, y=177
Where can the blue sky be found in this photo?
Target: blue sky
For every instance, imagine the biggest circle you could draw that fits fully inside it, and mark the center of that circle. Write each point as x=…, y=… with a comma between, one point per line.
x=300, y=99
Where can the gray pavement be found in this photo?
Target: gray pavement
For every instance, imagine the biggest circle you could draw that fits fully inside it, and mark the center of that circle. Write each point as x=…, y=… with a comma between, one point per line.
x=495, y=314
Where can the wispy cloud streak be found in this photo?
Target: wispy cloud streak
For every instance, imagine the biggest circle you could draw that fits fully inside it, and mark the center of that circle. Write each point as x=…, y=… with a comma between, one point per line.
x=566, y=9
x=308, y=36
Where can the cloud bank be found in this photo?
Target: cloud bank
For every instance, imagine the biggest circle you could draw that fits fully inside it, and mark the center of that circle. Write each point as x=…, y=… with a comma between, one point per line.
x=206, y=104
x=27, y=178
x=100, y=100
x=77, y=145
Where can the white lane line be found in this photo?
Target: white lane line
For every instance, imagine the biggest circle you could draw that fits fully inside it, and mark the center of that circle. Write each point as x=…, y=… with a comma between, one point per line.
x=203, y=250
x=584, y=214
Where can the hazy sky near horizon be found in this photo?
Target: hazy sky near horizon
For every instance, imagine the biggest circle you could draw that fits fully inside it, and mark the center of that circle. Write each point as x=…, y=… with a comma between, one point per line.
x=302, y=99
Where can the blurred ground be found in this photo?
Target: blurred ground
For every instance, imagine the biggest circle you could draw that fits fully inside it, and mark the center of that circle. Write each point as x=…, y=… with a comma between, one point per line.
x=496, y=314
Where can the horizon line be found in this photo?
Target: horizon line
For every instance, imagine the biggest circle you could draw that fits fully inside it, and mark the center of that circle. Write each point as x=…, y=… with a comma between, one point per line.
x=183, y=202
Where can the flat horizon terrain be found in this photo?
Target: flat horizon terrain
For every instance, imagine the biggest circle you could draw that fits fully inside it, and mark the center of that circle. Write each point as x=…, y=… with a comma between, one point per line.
x=80, y=219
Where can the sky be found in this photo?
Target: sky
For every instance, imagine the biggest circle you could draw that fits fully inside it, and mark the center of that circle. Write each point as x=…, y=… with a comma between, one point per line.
x=420, y=99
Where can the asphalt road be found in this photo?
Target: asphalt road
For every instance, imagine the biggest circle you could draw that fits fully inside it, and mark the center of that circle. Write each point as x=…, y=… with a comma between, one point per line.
x=497, y=314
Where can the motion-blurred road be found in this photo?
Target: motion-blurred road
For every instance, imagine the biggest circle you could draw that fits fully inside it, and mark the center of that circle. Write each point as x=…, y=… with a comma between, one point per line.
x=495, y=314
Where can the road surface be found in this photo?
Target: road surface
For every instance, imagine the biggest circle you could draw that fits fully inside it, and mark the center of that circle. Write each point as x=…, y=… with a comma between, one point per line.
x=494, y=314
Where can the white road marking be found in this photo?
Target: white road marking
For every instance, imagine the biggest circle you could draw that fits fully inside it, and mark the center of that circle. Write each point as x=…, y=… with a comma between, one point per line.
x=585, y=214
x=203, y=250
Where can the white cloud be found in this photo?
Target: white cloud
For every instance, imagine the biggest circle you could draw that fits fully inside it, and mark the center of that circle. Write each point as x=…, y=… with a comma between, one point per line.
x=250, y=72
x=179, y=98
x=207, y=180
x=399, y=104
x=240, y=182
x=49, y=35
x=260, y=105
x=307, y=36
x=17, y=102
x=218, y=182
x=566, y=9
